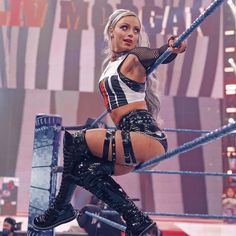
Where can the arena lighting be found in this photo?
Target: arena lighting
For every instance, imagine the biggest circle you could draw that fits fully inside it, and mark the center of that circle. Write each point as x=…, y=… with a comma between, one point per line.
x=230, y=49
x=231, y=109
x=230, y=89
x=229, y=69
x=229, y=32
x=229, y=172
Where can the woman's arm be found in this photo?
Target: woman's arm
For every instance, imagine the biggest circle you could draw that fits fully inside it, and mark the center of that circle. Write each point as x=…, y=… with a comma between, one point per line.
x=148, y=56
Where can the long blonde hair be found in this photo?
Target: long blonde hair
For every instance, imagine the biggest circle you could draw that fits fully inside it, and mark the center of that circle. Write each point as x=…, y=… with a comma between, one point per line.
x=151, y=95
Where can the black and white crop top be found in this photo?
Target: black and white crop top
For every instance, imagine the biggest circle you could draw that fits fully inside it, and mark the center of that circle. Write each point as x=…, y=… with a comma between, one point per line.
x=118, y=90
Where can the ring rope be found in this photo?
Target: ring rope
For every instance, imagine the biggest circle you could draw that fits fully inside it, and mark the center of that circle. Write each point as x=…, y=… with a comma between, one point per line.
x=165, y=129
x=106, y=221
x=204, y=216
x=99, y=118
x=123, y=228
x=59, y=169
x=194, y=173
x=187, y=215
x=187, y=130
x=218, y=133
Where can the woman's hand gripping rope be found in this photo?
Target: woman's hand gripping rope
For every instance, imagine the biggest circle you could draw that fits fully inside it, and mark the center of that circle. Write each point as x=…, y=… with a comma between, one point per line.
x=180, y=49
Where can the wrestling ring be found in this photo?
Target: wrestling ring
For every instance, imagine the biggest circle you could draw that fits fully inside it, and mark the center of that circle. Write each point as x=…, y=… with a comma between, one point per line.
x=47, y=138
x=47, y=142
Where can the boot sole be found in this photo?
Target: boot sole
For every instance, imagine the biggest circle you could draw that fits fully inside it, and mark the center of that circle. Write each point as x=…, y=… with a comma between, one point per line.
x=55, y=225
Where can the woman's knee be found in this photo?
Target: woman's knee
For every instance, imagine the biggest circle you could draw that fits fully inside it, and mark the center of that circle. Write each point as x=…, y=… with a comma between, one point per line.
x=122, y=169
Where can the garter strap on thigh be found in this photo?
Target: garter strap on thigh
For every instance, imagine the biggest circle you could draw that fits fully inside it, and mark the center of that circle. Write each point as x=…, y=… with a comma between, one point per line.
x=109, y=137
x=128, y=148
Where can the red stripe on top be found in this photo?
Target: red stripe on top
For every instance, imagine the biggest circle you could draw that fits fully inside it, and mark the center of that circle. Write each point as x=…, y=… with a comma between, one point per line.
x=104, y=94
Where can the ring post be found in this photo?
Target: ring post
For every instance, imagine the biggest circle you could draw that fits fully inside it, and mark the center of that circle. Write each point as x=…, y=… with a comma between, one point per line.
x=43, y=180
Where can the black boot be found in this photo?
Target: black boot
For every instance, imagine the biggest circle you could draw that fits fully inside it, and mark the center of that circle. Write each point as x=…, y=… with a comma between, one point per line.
x=94, y=175
x=60, y=210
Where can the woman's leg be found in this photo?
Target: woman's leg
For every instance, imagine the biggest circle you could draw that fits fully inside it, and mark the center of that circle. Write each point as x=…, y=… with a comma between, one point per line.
x=93, y=174
x=97, y=178
x=106, y=189
x=98, y=181
x=75, y=153
x=144, y=147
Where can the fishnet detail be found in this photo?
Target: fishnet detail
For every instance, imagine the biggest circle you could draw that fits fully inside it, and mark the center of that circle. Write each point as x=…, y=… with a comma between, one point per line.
x=148, y=56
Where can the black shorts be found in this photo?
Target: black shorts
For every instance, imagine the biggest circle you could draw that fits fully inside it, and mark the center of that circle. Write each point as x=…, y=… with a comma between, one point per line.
x=141, y=121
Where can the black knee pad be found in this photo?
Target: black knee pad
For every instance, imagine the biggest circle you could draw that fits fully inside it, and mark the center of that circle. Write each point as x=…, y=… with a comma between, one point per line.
x=80, y=144
x=75, y=152
x=76, y=145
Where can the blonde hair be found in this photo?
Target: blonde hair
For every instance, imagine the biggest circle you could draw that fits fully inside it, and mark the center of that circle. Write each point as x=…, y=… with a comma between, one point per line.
x=151, y=96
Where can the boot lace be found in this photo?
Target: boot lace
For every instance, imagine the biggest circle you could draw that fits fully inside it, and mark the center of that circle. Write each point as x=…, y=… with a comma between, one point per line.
x=68, y=162
x=51, y=211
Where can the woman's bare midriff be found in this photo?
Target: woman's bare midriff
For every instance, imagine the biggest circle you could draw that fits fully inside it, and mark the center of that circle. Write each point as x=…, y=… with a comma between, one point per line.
x=119, y=112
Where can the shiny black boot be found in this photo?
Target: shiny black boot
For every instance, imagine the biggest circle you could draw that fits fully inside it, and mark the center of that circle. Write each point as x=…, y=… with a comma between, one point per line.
x=95, y=177
x=60, y=210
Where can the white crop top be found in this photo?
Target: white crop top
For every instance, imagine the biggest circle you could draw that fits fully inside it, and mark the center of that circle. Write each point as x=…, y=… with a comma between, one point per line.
x=118, y=90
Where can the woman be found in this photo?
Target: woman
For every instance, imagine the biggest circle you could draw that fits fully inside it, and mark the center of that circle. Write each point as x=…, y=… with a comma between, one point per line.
x=92, y=156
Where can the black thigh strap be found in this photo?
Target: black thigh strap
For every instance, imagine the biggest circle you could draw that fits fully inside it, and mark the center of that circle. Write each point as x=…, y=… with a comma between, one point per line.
x=128, y=149
x=113, y=143
x=106, y=144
